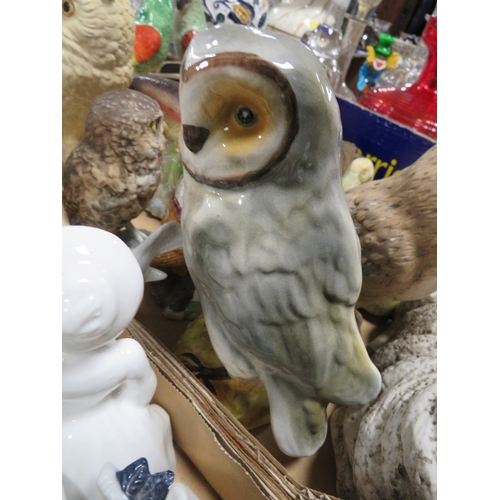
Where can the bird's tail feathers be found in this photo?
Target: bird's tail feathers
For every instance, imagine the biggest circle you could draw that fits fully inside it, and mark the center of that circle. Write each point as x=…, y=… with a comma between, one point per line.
x=299, y=422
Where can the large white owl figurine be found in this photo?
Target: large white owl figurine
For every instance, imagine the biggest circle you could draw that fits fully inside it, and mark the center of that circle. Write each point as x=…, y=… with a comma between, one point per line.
x=268, y=238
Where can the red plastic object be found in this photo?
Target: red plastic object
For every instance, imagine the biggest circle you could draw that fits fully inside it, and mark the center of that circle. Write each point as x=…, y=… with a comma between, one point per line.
x=414, y=106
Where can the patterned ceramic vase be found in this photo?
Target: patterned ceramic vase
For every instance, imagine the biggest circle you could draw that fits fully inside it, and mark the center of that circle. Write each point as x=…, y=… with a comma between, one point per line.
x=252, y=13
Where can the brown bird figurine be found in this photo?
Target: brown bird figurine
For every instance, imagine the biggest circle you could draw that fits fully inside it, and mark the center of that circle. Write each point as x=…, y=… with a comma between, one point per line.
x=111, y=176
x=396, y=221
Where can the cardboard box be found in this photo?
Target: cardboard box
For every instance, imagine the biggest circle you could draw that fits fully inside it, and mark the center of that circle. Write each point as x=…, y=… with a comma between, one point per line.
x=235, y=463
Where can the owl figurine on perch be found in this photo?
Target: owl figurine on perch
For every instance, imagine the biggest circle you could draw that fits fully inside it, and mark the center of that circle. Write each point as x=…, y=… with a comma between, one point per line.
x=267, y=234
x=111, y=176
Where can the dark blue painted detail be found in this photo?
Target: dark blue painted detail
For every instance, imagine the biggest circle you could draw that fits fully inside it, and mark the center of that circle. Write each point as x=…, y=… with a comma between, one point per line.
x=139, y=484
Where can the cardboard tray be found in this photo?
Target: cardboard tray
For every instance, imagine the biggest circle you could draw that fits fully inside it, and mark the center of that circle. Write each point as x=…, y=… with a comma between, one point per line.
x=233, y=461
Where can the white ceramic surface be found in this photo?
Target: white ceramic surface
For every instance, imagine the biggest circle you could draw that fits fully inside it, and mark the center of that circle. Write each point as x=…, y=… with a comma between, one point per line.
x=107, y=384
x=268, y=237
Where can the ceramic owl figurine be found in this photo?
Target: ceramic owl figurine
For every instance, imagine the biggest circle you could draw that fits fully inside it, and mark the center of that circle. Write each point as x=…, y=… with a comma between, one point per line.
x=97, y=49
x=267, y=233
x=107, y=384
x=112, y=175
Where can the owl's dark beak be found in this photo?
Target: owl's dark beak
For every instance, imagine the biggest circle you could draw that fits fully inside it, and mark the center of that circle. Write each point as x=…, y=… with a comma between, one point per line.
x=194, y=137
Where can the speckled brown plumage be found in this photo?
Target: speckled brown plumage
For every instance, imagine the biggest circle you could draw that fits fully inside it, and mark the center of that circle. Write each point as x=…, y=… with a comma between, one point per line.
x=112, y=175
x=396, y=221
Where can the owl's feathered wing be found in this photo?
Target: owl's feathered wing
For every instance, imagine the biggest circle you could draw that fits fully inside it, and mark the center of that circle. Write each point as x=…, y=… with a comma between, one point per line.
x=154, y=25
x=104, y=194
x=279, y=306
x=189, y=21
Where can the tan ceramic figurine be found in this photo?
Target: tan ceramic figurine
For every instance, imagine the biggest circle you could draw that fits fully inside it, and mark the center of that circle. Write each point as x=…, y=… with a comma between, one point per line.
x=111, y=176
x=97, y=48
x=388, y=448
x=267, y=234
x=396, y=221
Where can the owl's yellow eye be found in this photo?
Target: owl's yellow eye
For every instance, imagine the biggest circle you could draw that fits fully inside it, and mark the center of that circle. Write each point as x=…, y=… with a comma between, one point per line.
x=68, y=8
x=153, y=126
x=245, y=117
x=239, y=118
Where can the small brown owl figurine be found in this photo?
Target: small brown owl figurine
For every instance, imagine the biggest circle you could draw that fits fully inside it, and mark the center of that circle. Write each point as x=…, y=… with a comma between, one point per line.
x=111, y=176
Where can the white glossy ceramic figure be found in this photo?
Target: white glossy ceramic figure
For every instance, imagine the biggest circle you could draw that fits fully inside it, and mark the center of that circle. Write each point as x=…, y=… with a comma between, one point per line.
x=107, y=384
x=268, y=237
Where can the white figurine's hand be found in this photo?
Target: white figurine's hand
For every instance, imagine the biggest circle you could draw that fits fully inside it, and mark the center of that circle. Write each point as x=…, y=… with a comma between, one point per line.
x=140, y=382
x=108, y=484
x=122, y=363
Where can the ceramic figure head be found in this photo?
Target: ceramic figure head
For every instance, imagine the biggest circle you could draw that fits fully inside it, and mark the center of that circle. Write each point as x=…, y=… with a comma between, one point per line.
x=103, y=287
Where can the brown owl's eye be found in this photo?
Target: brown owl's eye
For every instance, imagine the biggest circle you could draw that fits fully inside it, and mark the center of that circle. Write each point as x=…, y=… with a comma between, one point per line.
x=68, y=8
x=153, y=126
x=245, y=117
